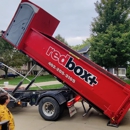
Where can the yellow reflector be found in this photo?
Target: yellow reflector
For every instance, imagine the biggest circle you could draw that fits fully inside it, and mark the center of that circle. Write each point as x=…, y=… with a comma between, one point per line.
x=73, y=55
x=19, y=103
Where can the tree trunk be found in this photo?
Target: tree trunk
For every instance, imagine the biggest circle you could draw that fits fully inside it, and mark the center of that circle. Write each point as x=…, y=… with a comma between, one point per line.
x=6, y=72
x=117, y=71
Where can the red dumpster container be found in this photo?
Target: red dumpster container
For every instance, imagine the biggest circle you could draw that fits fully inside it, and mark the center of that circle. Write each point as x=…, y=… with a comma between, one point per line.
x=97, y=86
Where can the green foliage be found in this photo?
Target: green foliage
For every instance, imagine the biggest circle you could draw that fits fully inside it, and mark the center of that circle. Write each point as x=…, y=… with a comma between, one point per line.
x=110, y=43
x=10, y=56
x=80, y=46
x=61, y=39
x=15, y=81
x=54, y=86
x=128, y=72
x=18, y=59
x=76, y=47
x=4, y=46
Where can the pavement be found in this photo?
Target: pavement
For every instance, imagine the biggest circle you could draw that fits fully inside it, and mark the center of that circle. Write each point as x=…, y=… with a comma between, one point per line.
x=29, y=119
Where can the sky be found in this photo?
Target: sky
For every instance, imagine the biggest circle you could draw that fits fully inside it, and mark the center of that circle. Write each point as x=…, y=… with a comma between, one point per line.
x=75, y=16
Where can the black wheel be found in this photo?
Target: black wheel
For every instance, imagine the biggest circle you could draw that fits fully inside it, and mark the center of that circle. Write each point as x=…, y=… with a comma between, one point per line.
x=49, y=109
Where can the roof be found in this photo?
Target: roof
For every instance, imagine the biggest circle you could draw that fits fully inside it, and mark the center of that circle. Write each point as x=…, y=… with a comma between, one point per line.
x=85, y=49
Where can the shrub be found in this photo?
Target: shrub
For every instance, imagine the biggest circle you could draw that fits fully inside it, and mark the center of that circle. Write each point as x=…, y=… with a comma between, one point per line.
x=128, y=72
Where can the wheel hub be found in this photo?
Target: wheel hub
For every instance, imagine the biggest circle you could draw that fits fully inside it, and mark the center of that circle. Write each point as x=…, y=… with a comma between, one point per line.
x=48, y=109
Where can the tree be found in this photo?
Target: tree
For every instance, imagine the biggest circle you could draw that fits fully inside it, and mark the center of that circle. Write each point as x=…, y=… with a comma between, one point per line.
x=10, y=56
x=80, y=46
x=61, y=39
x=110, y=43
x=4, y=46
x=128, y=72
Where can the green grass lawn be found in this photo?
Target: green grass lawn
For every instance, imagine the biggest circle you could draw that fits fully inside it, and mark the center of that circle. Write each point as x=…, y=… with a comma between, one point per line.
x=127, y=81
x=45, y=78
x=55, y=86
x=15, y=81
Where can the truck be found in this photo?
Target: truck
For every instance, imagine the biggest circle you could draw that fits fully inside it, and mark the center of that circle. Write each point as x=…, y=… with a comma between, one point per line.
x=31, y=32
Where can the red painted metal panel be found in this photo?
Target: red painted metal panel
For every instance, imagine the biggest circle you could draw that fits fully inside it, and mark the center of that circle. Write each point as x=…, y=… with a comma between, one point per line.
x=41, y=21
x=93, y=85
x=104, y=90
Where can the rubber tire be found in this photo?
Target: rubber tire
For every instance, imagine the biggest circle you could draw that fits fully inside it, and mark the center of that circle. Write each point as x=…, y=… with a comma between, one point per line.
x=56, y=106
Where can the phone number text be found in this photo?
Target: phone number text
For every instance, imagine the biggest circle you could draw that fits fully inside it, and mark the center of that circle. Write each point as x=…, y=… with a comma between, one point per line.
x=61, y=72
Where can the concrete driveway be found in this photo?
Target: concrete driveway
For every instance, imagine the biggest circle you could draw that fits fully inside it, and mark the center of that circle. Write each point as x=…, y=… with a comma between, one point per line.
x=34, y=84
x=30, y=119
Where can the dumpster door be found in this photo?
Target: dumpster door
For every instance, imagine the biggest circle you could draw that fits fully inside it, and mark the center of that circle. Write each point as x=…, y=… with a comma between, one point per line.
x=20, y=22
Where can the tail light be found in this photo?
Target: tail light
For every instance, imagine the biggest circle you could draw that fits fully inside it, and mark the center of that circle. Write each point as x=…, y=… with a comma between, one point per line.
x=73, y=101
